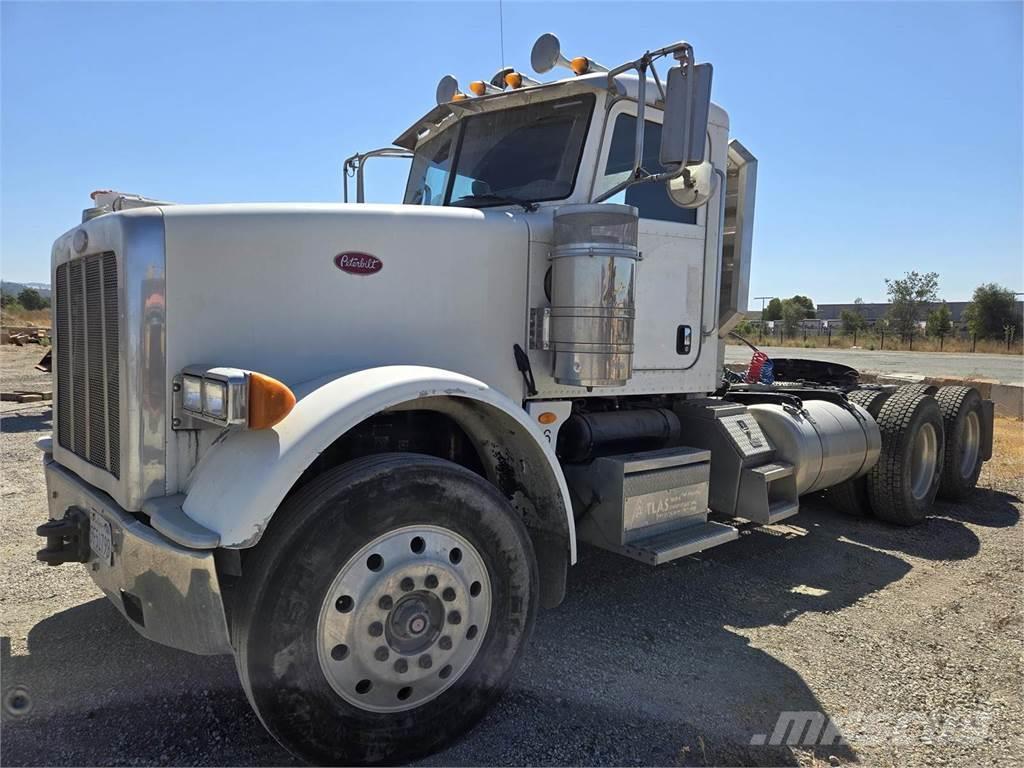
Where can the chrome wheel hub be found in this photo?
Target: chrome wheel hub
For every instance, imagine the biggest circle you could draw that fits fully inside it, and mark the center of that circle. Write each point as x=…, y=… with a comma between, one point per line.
x=404, y=618
x=923, y=461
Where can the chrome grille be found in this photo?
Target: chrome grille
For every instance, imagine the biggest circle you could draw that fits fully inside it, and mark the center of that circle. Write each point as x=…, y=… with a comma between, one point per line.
x=86, y=351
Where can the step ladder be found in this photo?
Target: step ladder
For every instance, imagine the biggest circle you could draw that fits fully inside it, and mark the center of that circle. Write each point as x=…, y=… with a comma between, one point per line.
x=747, y=480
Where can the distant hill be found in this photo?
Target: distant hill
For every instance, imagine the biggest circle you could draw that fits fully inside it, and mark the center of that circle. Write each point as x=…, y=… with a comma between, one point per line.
x=13, y=289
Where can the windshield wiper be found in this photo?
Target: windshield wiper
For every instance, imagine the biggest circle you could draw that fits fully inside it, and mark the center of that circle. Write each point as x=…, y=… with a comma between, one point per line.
x=527, y=205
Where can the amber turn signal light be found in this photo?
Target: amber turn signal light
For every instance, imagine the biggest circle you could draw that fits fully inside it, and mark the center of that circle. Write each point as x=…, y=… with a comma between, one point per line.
x=269, y=401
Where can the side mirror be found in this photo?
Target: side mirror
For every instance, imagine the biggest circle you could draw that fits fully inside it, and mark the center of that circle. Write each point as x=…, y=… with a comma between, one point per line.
x=694, y=186
x=687, y=104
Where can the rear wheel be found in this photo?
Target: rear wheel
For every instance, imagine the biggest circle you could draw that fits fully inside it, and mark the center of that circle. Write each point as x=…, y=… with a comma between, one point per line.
x=962, y=420
x=869, y=399
x=917, y=389
x=903, y=484
x=385, y=610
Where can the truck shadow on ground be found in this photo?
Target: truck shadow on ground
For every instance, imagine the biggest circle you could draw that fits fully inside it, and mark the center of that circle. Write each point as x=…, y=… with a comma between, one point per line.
x=27, y=422
x=638, y=665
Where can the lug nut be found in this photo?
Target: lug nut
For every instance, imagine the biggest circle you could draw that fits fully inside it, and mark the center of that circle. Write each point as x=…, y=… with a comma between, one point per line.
x=431, y=581
x=401, y=666
x=407, y=584
x=426, y=661
x=448, y=594
x=385, y=603
x=454, y=617
x=445, y=643
x=381, y=654
x=376, y=629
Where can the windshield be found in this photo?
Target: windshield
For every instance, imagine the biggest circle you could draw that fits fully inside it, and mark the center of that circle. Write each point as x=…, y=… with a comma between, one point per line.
x=524, y=154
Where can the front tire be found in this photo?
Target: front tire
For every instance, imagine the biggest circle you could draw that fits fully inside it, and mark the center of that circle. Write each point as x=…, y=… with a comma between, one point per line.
x=384, y=610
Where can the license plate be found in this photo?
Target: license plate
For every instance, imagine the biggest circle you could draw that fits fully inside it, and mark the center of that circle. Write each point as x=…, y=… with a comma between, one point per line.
x=101, y=541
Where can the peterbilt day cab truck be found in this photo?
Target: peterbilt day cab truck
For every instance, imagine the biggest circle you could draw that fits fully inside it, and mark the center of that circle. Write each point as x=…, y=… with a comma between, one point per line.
x=356, y=445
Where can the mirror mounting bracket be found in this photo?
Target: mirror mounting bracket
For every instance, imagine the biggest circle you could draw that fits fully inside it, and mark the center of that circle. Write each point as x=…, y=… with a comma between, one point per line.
x=681, y=52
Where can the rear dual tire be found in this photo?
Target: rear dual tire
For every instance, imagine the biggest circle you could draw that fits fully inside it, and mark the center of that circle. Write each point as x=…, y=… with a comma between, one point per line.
x=902, y=485
x=384, y=610
x=963, y=421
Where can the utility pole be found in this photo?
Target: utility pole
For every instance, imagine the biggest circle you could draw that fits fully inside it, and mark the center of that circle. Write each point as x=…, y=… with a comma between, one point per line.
x=763, y=299
x=760, y=325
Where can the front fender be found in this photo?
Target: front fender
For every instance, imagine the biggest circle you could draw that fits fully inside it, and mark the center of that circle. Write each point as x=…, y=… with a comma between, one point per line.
x=243, y=477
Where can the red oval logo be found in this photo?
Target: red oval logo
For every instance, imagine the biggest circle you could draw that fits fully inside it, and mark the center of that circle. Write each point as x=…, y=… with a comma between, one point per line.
x=356, y=263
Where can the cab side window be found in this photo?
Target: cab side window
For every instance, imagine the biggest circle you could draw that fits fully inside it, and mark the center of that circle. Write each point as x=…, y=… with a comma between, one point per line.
x=650, y=198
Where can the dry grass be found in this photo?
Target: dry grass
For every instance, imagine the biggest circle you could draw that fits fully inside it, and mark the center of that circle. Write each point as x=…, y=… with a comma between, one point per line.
x=37, y=317
x=1007, y=463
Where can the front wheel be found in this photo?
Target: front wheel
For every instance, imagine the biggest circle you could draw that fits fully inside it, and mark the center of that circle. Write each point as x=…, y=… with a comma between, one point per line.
x=384, y=610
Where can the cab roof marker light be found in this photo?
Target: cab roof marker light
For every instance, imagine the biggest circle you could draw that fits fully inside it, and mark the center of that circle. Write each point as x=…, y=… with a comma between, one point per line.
x=498, y=81
x=482, y=88
x=519, y=80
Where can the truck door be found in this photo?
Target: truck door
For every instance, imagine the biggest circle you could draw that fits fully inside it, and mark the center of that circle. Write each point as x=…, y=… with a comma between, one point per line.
x=670, y=284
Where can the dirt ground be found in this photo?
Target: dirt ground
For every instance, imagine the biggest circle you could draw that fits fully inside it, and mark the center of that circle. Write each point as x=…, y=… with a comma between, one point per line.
x=908, y=640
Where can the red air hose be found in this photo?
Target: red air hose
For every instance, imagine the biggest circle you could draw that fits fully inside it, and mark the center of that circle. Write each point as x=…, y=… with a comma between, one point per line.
x=756, y=364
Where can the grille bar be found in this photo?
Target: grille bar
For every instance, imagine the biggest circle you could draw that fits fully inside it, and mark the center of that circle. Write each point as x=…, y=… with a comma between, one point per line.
x=88, y=391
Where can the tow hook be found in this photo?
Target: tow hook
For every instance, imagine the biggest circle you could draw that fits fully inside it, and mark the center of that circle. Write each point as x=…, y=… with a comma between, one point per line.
x=67, y=539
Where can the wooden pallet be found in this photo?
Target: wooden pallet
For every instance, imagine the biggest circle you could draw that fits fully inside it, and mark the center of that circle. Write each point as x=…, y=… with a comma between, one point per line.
x=21, y=396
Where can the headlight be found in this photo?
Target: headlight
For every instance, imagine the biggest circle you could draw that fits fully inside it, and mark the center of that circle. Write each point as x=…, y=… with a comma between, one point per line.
x=226, y=397
x=192, y=393
x=215, y=398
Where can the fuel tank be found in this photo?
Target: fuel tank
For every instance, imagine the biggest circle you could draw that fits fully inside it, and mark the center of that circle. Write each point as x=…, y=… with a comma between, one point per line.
x=825, y=442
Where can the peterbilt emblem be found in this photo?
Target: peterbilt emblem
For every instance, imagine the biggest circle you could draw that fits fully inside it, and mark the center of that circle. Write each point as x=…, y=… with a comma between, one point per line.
x=356, y=263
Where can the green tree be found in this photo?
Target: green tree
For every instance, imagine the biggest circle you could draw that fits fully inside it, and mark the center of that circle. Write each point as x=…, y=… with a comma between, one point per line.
x=792, y=313
x=806, y=303
x=909, y=297
x=853, y=320
x=8, y=301
x=991, y=310
x=30, y=299
x=745, y=328
x=940, y=321
x=773, y=311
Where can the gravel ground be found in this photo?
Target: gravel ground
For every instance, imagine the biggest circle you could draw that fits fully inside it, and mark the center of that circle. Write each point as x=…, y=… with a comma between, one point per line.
x=18, y=373
x=910, y=635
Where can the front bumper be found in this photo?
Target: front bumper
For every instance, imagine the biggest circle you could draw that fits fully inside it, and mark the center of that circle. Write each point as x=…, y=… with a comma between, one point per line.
x=168, y=593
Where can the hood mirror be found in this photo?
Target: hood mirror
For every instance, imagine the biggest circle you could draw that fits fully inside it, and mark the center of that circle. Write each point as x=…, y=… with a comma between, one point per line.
x=694, y=187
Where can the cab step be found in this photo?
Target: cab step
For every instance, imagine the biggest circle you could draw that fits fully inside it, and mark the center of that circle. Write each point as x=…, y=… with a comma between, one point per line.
x=671, y=545
x=768, y=493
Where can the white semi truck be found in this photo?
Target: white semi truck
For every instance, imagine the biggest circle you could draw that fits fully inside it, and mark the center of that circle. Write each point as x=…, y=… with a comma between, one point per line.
x=356, y=445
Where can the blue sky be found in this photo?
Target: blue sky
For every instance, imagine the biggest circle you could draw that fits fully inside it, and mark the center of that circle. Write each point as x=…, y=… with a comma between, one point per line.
x=889, y=135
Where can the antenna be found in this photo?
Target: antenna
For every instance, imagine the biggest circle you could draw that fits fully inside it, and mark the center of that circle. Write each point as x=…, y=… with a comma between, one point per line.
x=501, y=33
